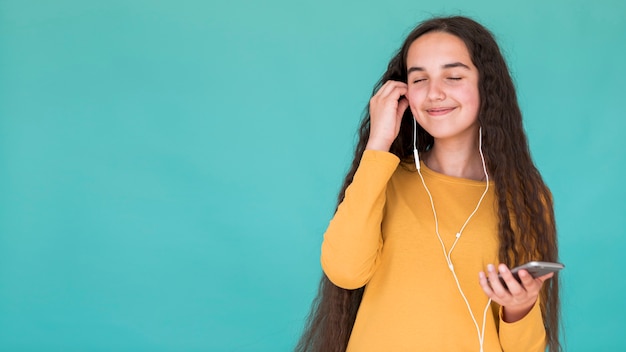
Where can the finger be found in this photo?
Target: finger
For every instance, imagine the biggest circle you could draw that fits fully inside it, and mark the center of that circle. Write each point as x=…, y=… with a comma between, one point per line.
x=527, y=280
x=395, y=93
x=384, y=89
x=514, y=287
x=484, y=284
x=391, y=84
x=531, y=283
x=392, y=88
x=402, y=105
x=497, y=286
x=545, y=277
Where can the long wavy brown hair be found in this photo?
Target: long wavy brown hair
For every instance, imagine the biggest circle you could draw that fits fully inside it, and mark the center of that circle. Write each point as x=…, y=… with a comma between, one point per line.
x=527, y=228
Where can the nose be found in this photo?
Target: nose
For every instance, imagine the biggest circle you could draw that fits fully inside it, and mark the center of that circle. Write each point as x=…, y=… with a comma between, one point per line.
x=435, y=91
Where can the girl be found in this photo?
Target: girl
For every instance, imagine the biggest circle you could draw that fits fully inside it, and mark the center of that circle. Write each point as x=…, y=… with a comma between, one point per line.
x=442, y=189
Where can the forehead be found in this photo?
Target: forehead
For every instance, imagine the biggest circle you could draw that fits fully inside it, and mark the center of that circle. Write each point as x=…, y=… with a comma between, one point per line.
x=437, y=48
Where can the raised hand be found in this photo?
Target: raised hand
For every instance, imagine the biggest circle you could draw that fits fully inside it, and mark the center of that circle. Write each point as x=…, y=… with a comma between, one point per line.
x=517, y=299
x=386, y=109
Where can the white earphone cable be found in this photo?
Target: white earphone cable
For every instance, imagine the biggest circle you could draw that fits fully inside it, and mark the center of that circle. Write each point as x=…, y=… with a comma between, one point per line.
x=448, y=255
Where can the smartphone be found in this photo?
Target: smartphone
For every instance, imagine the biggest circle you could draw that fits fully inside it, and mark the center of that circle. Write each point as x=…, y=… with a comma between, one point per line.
x=535, y=269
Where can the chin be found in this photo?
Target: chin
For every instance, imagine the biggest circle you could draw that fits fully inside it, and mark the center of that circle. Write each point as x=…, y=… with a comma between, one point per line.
x=451, y=133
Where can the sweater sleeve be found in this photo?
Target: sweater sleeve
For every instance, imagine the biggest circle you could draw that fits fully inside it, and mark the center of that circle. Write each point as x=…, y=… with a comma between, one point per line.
x=525, y=335
x=353, y=241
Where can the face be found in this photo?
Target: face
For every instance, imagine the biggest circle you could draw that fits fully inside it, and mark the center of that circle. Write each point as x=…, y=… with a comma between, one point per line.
x=443, y=86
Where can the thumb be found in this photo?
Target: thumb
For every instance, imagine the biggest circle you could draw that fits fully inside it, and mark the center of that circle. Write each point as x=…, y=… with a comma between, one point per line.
x=403, y=103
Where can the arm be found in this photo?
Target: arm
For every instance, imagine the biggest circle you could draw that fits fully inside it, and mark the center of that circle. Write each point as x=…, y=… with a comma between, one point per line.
x=524, y=335
x=353, y=240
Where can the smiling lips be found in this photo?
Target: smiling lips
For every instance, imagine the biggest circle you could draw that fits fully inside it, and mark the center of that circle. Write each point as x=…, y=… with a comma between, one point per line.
x=439, y=111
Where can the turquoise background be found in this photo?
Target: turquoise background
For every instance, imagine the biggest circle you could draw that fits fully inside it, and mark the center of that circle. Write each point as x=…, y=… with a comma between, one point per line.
x=167, y=168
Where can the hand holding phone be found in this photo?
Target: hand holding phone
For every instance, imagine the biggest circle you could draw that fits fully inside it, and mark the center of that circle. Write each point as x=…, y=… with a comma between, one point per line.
x=535, y=269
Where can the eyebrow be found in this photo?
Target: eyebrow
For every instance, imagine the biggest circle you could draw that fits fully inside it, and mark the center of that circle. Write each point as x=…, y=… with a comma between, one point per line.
x=446, y=66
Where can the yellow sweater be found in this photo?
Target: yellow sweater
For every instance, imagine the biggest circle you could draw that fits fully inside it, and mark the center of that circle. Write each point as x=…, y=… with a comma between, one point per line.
x=383, y=236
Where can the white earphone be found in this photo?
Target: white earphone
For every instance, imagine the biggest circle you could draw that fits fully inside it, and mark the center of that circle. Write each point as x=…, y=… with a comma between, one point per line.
x=448, y=254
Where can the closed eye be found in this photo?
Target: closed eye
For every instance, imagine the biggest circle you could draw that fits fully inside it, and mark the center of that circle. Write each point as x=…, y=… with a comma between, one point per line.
x=455, y=78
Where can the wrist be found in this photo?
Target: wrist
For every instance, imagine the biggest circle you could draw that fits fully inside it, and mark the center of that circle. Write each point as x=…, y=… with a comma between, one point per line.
x=373, y=144
x=511, y=315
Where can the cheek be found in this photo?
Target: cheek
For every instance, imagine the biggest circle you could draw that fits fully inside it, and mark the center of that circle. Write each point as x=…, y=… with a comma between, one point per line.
x=474, y=101
x=469, y=98
x=415, y=98
x=473, y=95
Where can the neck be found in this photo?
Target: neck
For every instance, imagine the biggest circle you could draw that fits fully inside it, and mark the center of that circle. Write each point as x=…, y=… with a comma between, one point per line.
x=456, y=158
